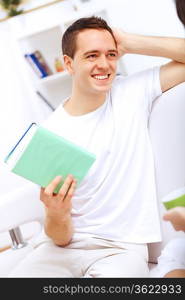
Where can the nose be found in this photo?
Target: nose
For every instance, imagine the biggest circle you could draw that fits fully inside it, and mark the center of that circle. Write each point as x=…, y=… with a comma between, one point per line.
x=103, y=62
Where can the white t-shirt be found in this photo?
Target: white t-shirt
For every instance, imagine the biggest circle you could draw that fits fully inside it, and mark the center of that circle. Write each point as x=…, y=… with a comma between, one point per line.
x=117, y=198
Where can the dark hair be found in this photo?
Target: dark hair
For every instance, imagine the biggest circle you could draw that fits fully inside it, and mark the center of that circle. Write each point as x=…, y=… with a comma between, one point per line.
x=70, y=35
x=180, y=7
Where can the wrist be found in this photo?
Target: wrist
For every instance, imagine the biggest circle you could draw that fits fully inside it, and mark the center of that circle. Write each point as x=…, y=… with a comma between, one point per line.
x=134, y=43
x=58, y=217
x=59, y=229
x=122, y=39
x=129, y=43
x=126, y=42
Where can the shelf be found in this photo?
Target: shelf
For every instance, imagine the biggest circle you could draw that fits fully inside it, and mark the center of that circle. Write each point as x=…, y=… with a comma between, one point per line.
x=31, y=33
x=66, y=21
x=54, y=77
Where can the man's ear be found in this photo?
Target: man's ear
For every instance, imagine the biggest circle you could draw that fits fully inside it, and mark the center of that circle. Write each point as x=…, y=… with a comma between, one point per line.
x=68, y=63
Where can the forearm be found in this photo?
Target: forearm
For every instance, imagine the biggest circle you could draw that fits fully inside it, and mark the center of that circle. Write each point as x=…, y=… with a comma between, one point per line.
x=59, y=229
x=58, y=222
x=169, y=47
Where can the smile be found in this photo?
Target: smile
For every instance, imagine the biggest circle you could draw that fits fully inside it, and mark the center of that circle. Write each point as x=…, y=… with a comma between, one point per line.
x=101, y=77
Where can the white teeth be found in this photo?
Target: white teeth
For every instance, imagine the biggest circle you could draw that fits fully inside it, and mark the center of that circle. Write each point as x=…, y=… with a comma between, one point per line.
x=101, y=77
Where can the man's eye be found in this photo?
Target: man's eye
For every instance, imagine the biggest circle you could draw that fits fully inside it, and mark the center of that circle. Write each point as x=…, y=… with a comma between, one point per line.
x=112, y=54
x=91, y=56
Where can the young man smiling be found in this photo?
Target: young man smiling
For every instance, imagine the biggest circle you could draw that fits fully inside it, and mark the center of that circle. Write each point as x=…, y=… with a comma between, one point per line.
x=101, y=227
x=92, y=65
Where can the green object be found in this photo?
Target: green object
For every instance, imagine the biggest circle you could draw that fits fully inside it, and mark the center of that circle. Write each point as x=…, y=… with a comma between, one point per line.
x=48, y=155
x=174, y=199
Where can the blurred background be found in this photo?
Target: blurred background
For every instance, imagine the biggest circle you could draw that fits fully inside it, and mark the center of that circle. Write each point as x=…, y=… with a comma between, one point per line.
x=32, y=79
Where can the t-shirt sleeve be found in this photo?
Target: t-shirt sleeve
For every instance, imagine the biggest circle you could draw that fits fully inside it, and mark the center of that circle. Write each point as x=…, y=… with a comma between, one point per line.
x=147, y=84
x=140, y=88
x=153, y=85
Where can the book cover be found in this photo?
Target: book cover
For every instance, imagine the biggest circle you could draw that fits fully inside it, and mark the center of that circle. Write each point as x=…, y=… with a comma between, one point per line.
x=41, y=155
x=42, y=62
x=175, y=198
x=33, y=65
x=38, y=64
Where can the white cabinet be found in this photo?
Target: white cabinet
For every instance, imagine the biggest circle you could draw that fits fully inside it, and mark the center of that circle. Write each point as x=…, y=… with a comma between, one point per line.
x=47, y=39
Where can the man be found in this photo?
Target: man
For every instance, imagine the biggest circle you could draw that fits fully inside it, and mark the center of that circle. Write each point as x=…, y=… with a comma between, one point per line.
x=101, y=227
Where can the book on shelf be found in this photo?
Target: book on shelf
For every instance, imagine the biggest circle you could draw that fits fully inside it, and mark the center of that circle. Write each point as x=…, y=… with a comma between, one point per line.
x=38, y=64
x=42, y=62
x=33, y=65
x=40, y=155
x=175, y=198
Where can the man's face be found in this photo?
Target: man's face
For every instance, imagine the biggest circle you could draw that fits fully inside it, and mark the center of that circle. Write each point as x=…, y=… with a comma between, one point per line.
x=95, y=60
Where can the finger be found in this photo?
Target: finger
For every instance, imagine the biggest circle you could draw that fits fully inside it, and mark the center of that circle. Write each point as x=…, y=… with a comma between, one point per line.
x=53, y=184
x=170, y=215
x=71, y=191
x=65, y=187
x=41, y=193
x=167, y=215
x=43, y=197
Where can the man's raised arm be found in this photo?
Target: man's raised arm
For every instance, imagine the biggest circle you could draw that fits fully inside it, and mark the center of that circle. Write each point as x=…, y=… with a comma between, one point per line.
x=172, y=73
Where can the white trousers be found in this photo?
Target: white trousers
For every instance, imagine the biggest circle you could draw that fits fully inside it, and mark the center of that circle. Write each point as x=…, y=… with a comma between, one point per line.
x=91, y=257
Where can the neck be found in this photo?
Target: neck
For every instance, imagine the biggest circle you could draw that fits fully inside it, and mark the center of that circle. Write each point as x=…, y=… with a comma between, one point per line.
x=81, y=103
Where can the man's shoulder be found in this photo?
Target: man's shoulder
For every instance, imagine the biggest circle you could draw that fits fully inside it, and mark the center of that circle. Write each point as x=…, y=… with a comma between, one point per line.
x=121, y=80
x=133, y=78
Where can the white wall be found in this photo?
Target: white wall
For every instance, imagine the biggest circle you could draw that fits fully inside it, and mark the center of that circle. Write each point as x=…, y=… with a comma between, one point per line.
x=150, y=17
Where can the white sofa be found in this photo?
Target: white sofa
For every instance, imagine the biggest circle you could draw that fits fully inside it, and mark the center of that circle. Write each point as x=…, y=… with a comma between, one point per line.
x=167, y=131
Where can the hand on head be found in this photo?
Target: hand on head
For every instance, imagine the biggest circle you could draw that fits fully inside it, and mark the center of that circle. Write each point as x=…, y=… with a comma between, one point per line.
x=120, y=37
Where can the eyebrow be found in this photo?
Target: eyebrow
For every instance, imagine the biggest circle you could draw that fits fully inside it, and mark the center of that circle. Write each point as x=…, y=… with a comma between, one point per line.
x=97, y=51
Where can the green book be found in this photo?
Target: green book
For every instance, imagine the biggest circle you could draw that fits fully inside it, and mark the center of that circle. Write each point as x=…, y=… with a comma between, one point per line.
x=40, y=155
x=175, y=198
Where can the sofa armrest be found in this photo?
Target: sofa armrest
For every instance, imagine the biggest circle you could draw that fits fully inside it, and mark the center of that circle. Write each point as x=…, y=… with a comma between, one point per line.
x=20, y=206
x=166, y=127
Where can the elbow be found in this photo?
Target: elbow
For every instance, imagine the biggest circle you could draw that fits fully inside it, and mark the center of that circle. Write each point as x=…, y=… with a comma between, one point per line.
x=182, y=60
x=62, y=242
x=60, y=239
x=182, y=56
